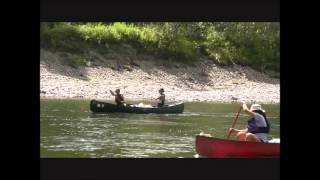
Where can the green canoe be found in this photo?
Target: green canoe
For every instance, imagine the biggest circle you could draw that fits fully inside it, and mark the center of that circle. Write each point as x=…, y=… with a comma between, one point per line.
x=104, y=107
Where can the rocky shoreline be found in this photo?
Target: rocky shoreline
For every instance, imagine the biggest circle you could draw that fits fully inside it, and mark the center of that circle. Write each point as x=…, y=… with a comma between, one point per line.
x=142, y=79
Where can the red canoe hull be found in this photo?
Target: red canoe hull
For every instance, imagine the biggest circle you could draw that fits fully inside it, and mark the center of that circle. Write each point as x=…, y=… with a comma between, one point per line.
x=220, y=148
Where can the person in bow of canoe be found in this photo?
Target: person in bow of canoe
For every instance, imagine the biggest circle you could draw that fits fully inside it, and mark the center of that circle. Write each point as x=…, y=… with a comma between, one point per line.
x=161, y=98
x=119, y=99
x=258, y=125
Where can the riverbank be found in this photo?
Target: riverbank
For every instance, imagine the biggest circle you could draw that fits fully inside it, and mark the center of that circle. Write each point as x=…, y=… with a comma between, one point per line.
x=140, y=80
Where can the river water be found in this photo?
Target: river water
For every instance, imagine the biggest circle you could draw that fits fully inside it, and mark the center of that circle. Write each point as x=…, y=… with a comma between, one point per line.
x=69, y=129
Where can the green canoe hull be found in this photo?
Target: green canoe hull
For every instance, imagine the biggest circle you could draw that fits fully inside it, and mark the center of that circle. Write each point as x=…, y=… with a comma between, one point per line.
x=104, y=107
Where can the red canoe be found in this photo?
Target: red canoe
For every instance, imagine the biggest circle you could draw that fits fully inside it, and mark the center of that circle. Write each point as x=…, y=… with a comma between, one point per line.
x=219, y=148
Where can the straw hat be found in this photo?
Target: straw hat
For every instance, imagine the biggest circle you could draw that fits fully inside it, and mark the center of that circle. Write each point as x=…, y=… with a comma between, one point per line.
x=256, y=107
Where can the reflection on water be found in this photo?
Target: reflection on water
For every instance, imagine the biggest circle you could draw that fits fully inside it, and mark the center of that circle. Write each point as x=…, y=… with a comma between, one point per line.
x=69, y=129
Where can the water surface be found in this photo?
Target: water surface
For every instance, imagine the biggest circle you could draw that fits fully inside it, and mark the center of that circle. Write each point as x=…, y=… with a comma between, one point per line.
x=69, y=129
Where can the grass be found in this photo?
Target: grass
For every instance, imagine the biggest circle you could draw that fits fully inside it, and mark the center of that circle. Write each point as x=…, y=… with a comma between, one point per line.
x=252, y=44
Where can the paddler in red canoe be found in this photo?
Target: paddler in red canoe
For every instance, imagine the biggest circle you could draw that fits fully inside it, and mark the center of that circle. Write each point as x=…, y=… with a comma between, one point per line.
x=119, y=99
x=258, y=125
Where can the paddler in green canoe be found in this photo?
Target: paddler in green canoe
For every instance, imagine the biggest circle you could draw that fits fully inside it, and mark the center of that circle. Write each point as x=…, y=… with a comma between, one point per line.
x=119, y=99
x=161, y=98
x=258, y=125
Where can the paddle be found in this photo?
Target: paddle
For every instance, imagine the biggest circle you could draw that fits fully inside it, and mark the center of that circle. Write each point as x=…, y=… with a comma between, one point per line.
x=234, y=122
x=112, y=93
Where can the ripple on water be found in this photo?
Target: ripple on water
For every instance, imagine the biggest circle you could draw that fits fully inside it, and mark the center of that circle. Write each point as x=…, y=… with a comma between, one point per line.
x=210, y=114
x=152, y=122
x=86, y=119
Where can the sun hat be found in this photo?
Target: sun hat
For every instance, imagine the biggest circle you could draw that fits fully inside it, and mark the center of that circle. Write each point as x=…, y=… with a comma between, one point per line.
x=256, y=107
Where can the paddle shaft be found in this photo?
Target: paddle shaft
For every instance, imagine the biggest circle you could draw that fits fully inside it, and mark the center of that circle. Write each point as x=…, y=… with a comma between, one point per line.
x=234, y=121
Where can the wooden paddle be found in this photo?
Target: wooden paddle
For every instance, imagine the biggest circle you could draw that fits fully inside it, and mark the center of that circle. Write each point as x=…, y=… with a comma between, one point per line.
x=234, y=121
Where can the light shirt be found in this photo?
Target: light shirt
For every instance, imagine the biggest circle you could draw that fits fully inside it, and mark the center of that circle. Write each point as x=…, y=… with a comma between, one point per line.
x=260, y=122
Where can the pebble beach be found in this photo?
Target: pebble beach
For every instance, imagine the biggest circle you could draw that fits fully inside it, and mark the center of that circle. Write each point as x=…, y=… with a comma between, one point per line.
x=204, y=82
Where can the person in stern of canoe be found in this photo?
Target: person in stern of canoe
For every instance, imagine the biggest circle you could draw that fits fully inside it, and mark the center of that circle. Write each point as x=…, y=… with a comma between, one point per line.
x=161, y=98
x=258, y=125
x=119, y=99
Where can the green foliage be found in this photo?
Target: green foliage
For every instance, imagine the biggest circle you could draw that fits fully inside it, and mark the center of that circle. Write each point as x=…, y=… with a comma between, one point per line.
x=174, y=41
x=217, y=47
x=257, y=44
x=253, y=44
x=60, y=36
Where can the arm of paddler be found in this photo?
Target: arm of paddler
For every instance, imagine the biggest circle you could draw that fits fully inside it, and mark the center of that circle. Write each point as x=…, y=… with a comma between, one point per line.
x=237, y=130
x=246, y=110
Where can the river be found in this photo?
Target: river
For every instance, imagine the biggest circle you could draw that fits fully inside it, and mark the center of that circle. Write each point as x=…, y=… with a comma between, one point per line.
x=68, y=129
